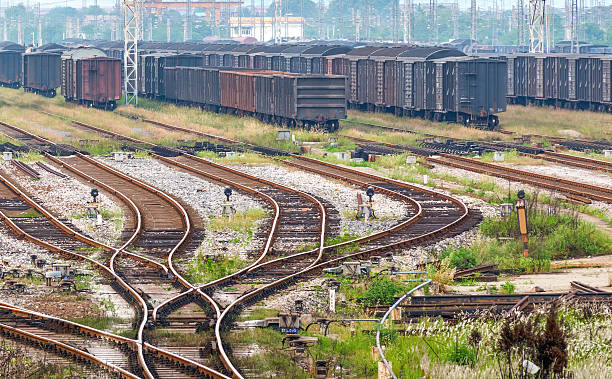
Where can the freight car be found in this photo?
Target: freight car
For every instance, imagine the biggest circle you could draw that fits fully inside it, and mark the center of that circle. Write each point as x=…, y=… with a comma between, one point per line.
x=10, y=68
x=309, y=101
x=433, y=83
x=577, y=81
x=91, y=79
x=41, y=73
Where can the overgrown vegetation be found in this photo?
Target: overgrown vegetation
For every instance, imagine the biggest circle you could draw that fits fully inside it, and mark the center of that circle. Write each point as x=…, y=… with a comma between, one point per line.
x=553, y=234
x=202, y=269
x=241, y=222
x=573, y=339
x=17, y=363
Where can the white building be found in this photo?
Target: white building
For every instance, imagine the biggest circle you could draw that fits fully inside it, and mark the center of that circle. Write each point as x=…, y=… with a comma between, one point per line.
x=288, y=27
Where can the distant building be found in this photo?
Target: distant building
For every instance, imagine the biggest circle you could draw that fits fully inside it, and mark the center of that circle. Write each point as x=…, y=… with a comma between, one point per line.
x=288, y=27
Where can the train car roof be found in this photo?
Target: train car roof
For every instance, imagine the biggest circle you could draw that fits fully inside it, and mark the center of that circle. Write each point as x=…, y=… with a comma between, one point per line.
x=326, y=50
x=364, y=51
x=83, y=52
x=431, y=53
x=391, y=51
x=11, y=46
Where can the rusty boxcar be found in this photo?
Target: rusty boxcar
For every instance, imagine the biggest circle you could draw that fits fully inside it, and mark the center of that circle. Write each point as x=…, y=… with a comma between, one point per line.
x=91, y=80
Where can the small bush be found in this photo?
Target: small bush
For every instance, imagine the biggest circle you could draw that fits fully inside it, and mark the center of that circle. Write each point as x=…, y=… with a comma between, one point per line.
x=460, y=257
x=507, y=288
x=381, y=292
x=461, y=354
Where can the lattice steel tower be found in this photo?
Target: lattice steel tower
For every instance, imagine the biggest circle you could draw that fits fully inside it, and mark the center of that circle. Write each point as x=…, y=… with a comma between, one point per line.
x=131, y=34
x=538, y=21
x=474, y=11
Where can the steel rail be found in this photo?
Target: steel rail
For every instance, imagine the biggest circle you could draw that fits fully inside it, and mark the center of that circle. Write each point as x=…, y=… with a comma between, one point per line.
x=68, y=349
x=82, y=328
x=142, y=326
x=18, y=231
x=72, y=232
x=224, y=357
x=381, y=353
x=227, y=362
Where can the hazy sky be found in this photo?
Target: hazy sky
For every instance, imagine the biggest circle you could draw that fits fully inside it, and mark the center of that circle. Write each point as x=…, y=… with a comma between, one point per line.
x=463, y=4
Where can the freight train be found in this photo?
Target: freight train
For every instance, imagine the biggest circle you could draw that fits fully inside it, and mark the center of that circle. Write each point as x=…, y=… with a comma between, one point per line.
x=582, y=82
x=438, y=84
x=305, y=101
x=91, y=78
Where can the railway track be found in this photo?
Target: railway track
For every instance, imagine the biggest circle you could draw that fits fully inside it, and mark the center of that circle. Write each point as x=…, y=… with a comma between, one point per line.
x=441, y=215
x=576, y=190
x=159, y=230
x=551, y=156
x=453, y=306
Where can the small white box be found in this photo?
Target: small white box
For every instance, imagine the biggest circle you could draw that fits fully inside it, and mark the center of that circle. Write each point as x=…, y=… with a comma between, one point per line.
x=283, y=135
x=343, y=155
x=410, y=159
x=7, y=155
x=119, y=156
x=498, y=156
x=607, y=153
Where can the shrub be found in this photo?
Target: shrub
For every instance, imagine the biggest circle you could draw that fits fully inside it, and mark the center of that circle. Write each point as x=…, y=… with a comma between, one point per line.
x=461, y=354
x=381, y=291
x=507, y=288
x=460, y=257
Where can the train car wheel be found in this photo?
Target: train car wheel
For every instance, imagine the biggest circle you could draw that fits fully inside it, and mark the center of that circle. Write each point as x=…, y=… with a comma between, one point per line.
x=493, y=122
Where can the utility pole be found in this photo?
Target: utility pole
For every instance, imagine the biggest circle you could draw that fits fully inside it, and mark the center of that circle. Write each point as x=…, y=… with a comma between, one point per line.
x=433, y=21
x=520, y=18
x=474, y=11
x=262, y=21
x=455, y=16
x=187, y=31
x=537, y=26
x=167, y=28
x=275, y=22
x=40, y=39
x=131, y=33
x=573, y=20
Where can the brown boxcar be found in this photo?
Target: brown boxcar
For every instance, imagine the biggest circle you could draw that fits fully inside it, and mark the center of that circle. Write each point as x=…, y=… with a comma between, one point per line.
x=42, y=73
x=92, y=81
x=238, y=90
x=10, y=68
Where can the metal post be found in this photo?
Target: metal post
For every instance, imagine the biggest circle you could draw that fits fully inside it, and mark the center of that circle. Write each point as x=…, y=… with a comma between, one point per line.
x=167, y=28
x=382, y=321
x=131, y=32
x=474, y=11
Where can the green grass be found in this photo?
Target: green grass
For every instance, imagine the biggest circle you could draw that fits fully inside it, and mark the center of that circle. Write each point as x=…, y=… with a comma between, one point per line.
x=30, y=157
x=30, y=213
x=261, y=313
x=100, y=323
x=202, y=270
x=551, y=237
x=241, y=222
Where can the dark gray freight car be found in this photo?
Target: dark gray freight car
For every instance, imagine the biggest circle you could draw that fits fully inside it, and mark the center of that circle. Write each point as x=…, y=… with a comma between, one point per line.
x=42, y=73
x=10, y=68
